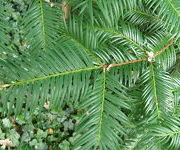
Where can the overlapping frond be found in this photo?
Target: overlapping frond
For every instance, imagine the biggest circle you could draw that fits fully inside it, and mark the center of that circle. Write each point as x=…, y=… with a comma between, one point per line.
x=141, y=16
x=102, y=125
x=98, y=59
x=167, y=134
x=164, y=135
x=111, y=11
x=4, y=37
x=52, y=75
x=41, y=25
x=169, y=11
x=176, y=91
x=129, y=74
x=176, y=67
x=83, y=37
x=109, y=29
x=149, y=24
x=124, y=35
x=157, y=91
x=168, y=57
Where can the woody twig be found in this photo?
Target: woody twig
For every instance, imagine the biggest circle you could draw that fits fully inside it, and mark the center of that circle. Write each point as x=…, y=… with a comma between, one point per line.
x=107, y=67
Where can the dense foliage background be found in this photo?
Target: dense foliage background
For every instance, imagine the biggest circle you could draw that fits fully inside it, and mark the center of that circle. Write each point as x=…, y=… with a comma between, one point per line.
x=44, y=129
x=80, y=75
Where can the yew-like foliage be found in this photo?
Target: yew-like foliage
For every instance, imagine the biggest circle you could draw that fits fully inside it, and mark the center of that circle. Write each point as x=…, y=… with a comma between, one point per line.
x=115, y=60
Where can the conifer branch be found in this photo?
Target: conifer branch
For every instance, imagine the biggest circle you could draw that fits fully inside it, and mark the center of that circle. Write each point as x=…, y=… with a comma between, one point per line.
x=107, y=67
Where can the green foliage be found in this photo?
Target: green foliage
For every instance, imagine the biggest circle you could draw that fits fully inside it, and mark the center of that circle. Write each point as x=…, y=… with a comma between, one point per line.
x=107, y=73
x=41, y=129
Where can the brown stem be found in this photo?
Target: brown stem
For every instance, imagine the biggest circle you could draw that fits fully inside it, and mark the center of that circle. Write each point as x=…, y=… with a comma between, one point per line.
x=166, y=47
x=107, y=67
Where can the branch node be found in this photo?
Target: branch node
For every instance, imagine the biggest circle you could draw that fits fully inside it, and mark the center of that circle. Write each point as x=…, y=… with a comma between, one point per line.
x=107, y=67
x=151, y=56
